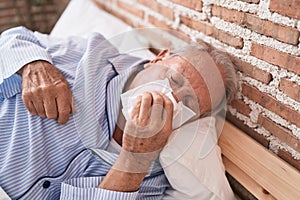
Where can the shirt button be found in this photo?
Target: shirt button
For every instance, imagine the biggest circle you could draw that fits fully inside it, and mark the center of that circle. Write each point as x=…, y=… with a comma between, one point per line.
x=46, y=184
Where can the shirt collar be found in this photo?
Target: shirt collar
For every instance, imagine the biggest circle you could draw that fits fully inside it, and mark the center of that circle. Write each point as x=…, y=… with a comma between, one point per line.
x=123, y=62
x=125, y=66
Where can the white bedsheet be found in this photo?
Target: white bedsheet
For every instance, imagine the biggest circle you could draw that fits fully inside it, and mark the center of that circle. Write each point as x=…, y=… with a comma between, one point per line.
x=191, y=176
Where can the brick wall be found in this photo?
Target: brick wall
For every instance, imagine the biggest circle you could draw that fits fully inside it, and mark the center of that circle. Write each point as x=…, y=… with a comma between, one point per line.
x=27, y=13
x=263, y=39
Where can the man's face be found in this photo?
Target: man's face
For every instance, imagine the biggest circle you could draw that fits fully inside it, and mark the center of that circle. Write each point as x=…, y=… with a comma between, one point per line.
x=186, y=81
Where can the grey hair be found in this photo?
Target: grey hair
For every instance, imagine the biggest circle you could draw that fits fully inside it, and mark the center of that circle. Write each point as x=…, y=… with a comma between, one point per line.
x=223, y=62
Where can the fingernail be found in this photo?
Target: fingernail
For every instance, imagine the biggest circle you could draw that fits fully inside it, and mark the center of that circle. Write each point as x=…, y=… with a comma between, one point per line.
x=175, y=97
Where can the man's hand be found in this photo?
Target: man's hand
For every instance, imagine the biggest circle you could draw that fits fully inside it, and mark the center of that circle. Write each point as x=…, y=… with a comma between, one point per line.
x=150, y=125
x=145, y=134
x=46, y=92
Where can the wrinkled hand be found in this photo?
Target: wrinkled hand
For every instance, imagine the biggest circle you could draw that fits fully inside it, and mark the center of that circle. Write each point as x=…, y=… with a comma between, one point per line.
x=145, y=133
x=150, y=124
x=46, y=92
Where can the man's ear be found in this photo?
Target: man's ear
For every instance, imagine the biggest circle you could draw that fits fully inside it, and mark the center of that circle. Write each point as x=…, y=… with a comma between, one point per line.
x=160, y=56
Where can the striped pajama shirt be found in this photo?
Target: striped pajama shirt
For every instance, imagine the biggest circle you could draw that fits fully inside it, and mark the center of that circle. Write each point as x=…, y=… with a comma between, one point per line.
x=40, y=159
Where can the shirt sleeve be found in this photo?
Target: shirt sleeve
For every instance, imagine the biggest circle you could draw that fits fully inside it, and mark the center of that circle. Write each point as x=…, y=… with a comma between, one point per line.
x=19, y=46
x=85, y=188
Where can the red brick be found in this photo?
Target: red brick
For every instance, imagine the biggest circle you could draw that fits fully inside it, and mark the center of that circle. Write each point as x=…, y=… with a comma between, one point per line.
x=271, y=104
x=159, y=8
x=122, y=17
x=183, y=36
x=283, y=134
x=253, y=22
x=43, y=26
x=290, y=8
x=131, y=9
x=276, y=57
x=287, y=34
x=7, y=4
x=9, y=21
x=289, y=158
x=46, y=19
x=38, y=17
x=229, y=39
x=12, y=4
x=231, y=16
x=282, y=33
x=10, y=12
x=115, y=13
x=23, y=13
x=202, y=26
x=252, y=133
x=43, y=9
x=193, y=4
x=248, y=70
x=290, y=88
x=158, y=23
x=7, y=26
x=241, y=107
x=228, y=14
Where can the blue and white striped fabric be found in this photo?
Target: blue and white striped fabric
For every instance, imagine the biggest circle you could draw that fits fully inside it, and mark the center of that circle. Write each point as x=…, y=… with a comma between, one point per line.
x=40, y=159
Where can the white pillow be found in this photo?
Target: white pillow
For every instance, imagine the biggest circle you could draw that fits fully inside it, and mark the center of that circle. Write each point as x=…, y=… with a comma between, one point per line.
x=193, y=165
x=124, y=37
x=82, y=17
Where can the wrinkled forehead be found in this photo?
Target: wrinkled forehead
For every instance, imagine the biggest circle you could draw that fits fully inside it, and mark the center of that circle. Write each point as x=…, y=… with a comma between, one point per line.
x=202, y=63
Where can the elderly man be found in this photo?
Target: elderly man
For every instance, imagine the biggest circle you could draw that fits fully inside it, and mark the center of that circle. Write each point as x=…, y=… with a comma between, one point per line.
x=78, y=83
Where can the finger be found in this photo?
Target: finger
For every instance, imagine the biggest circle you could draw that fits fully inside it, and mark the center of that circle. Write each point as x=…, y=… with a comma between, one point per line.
x=157, y=108
x=25, y=83
x=50, y=107
x=168, y=107
x=49, y=101
x=144, y=115
x=63, y=107
x=136, y=108
x=39, y=107
x=37, y=94
x=31, y=108
x=28, y=102
x=157, y=121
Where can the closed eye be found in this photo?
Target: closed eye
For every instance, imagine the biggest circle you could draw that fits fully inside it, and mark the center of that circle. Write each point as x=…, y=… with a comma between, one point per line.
x=177, y=79
x=173, y=80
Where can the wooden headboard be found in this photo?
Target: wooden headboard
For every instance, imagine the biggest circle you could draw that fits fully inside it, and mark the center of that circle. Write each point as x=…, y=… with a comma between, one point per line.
x=262, y=173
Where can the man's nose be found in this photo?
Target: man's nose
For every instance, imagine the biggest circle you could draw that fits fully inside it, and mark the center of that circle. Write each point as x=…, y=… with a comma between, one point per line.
x=179, y=93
